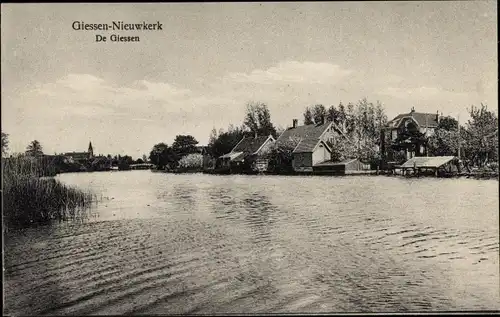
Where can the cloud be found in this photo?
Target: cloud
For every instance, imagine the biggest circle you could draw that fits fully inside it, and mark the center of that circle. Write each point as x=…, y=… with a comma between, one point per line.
x=423, y=93
x=430, y=99
x=293, y=72
x=88, y=88
x=139, y=114
x=419, y=92
x=88, y=95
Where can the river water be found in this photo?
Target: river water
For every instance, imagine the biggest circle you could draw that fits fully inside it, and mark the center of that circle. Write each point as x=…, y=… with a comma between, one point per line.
x=194, y=243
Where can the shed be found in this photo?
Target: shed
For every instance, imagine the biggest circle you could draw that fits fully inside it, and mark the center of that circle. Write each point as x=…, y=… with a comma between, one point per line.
x=350, y=166
x=435, y=164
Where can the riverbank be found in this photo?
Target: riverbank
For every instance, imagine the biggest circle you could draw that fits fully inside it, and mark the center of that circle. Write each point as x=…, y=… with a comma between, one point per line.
x=179, y=171
x=32, y=196
x=473, y=175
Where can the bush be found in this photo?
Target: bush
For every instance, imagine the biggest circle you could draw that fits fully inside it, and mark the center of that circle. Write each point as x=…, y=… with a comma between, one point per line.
x=191, y=161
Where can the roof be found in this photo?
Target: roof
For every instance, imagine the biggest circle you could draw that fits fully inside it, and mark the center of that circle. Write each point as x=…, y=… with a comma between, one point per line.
x=429, y=120
x=76, y=154
x=247, y=146
x=250, y=145
x=309, y=136
x=231, y=155
x=426, y=161
x=337, y=163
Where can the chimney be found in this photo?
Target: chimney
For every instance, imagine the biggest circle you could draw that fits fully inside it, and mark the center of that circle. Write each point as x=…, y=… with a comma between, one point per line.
x=437, y=116
x=295, y=121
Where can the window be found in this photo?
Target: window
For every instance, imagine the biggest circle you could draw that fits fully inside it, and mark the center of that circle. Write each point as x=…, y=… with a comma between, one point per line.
x=394, y=134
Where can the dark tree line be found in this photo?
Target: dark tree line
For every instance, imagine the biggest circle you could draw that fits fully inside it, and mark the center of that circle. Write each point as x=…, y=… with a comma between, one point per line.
x=257, y=122
x=359, y=125
x=165, y=156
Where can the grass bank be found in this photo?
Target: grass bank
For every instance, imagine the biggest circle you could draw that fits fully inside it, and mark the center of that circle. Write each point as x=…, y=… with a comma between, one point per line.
x=30, y=197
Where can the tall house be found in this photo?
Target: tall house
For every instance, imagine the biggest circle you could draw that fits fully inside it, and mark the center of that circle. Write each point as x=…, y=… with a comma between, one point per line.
x=408, y=133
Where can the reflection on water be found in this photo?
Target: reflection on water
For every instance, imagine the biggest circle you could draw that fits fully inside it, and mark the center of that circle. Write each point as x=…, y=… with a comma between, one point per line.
x=166, y=244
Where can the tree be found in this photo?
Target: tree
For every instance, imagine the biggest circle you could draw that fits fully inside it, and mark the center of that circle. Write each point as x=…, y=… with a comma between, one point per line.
x=124, y=162
x=213, y=136
x=258, y=119
x=480, y=136
x=280, y=155
x=333, y=115
x=34, y=149
x=380, y=116
x=319, y=114
x=448, y=123
x=350, y=118
x=162, y=156
x=308, y=117
x=342, y=117
x=184, y=145
x=360, y=127
x=443, y=142
x=5, y=143
x=225, y=141
x=144, y=158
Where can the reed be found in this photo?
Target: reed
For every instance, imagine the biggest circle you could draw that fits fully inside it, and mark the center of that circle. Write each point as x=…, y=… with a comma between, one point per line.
x=29, y=197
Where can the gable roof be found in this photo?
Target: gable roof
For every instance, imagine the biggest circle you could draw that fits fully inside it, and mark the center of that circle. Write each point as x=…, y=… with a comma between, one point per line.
x=247, y=146
x=250, y=145
x=425, y=161
x=424, y=120
x=308, y=135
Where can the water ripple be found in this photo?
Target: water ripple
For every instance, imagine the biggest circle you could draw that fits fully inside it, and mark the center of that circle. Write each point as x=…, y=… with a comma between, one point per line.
x=178, y=244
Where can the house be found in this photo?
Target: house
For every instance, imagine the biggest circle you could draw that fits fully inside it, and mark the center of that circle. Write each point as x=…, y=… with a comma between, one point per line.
x=313, y=144
x=407, y=133
x=244, y=156
x=72, y=157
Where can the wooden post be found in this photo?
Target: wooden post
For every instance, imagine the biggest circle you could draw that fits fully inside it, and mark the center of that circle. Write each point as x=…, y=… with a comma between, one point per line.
x=382, y=146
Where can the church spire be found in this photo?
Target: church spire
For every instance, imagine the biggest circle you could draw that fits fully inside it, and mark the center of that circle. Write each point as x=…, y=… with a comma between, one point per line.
x=91, y=150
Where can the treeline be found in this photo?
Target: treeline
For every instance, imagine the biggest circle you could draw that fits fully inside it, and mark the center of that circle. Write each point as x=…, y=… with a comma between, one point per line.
x=256, y=122
x=476, y=141
x=50, y=165
x=359, y=125
x=182, y=154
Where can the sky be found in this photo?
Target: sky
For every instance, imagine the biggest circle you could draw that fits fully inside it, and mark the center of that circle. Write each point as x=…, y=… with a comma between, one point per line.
x=64, y=89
